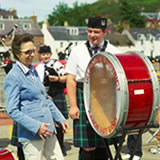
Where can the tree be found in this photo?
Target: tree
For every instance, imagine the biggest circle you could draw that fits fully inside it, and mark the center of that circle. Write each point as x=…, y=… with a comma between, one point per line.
x=59, y=15
x=75, y=16
x=130, y=14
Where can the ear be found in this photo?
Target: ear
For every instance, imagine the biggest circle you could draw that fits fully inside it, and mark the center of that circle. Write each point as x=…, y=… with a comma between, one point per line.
x=17, y=55
x=106, y=31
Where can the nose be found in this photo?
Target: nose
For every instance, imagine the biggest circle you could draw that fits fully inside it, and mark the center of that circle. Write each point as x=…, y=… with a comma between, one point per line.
x=33, y=54
x=92, y=34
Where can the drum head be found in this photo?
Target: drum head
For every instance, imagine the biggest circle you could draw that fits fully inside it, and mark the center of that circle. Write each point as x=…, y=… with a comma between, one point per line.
x=103, y=97
x=102, y=94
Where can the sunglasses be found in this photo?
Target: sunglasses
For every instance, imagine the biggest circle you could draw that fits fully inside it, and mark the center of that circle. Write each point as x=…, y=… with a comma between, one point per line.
x=29, y=51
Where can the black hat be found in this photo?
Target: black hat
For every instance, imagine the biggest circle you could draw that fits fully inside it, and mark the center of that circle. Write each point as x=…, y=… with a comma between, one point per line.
x=97, y=22
x=44, y=49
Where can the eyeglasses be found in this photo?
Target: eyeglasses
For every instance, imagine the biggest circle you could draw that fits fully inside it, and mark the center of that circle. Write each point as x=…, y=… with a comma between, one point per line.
x=29, y=52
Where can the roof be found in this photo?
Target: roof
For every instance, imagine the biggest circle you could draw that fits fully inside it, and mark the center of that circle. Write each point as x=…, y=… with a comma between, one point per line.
x=9, y=24
x=118, y=39
x=6, y=13
x=63, y=33
x=145, y=31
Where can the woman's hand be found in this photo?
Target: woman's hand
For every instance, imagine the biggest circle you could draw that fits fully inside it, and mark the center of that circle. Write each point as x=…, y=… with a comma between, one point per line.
x=65, y=127
x=44, y=132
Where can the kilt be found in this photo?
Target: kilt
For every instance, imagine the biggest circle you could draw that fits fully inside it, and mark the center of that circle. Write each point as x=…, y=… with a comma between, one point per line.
x=14, y=139
x=84, y=135
x=58, y=97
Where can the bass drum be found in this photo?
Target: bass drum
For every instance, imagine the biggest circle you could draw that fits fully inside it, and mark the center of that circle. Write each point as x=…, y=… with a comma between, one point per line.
x=6, y=154
x=120, y=91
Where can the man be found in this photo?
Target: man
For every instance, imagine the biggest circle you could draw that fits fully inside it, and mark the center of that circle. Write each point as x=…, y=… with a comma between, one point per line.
x=91, y=145
x=131, y=141
x=52, y=74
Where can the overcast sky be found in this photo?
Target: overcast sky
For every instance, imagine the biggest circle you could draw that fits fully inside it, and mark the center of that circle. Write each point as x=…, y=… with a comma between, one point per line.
x=41, y=8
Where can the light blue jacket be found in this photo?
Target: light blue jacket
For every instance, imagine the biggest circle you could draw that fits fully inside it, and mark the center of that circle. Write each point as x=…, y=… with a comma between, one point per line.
x=28, y=103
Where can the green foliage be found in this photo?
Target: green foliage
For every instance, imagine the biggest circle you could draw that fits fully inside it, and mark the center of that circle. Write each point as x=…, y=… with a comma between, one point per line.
x=59, y=15
x=131, y=14
x=116, y=10
x=75, y=16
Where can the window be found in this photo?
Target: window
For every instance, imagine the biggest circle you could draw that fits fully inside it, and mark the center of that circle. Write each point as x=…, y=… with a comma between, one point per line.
x=27, y=26
x=10, y=17
x=1, y=26
x=142, y=41
x=61, y=44
x=73, y=31
x=1, y=17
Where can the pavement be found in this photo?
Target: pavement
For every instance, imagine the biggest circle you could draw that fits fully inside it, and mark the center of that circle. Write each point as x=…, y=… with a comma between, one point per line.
x=72, y=152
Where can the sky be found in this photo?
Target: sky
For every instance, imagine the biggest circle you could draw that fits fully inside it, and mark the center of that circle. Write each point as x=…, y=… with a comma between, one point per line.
x=40, y=8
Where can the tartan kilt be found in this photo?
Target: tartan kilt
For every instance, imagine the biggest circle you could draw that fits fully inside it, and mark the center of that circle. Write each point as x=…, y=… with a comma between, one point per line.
x=14, y=139
x=59, y=99
x=84, y=134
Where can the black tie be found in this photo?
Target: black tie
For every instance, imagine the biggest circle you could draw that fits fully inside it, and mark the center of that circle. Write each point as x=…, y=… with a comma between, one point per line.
x=95, y=49
x=45, y=75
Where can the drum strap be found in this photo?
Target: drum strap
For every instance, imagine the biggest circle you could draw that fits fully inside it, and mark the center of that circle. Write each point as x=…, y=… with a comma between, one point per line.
x=90, y=49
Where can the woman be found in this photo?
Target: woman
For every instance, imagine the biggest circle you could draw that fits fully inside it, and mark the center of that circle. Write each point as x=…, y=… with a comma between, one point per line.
x=29, y=105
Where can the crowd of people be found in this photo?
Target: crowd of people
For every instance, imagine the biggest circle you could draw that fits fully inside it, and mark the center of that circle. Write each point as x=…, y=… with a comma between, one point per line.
x=36, y=101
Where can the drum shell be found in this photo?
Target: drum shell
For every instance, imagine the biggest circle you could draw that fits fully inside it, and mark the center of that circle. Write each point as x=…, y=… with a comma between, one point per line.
x=5, y=154
x=137, y=92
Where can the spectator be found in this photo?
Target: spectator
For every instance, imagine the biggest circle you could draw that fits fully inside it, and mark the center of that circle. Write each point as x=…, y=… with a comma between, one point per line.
x=29, y=105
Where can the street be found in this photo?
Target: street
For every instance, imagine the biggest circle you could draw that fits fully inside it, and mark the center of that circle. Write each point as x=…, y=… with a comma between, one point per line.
x=72, y=152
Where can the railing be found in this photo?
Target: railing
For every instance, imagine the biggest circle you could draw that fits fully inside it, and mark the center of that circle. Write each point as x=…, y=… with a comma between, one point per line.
x=2, y=97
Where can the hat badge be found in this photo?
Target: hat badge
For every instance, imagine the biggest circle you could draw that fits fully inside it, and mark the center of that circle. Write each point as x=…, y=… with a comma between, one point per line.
x=103, y=22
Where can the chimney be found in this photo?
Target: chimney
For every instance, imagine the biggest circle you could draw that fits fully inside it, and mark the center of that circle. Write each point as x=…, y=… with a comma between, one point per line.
x=45, y=23
x=34, y=18
x=65, y=23
x=14, y=12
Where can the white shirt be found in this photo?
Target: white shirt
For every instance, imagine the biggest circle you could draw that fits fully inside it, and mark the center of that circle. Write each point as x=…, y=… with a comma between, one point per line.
x=79, y=59
x=56, y=65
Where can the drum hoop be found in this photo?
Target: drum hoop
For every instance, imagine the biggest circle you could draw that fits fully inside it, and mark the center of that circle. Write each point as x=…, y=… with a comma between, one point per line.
x=121, y=116
x=1, y=154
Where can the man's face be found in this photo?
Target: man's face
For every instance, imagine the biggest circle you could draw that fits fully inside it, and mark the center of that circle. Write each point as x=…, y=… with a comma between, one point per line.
x=96, y=35
x=45, y=57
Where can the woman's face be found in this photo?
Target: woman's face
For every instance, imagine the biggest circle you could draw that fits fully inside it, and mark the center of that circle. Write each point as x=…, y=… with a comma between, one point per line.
x=27, y=53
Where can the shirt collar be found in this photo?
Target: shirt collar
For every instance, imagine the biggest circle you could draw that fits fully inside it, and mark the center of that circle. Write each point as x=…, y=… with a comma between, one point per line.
x=48, y=63
x=99, y=45
x=24, y=68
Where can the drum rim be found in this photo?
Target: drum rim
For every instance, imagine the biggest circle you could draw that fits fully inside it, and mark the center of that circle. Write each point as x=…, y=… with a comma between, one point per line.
x=8, y=151
x=121, y=116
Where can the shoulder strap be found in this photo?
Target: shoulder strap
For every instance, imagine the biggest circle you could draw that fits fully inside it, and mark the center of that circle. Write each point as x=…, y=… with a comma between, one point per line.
x=89, y=47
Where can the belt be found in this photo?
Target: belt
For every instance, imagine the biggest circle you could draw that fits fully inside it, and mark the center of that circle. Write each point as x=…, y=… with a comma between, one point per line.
x=80, y=85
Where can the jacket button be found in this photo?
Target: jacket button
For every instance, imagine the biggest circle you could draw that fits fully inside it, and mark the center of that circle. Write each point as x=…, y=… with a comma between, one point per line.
x=46, y=105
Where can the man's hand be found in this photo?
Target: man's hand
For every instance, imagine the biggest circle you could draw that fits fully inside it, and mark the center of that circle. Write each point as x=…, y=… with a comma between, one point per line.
x=44, y=132
x=74, y=112
x=53, y=78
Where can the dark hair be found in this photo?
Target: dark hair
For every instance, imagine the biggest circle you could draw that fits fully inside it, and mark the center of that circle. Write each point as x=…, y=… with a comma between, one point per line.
x=18, y=40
